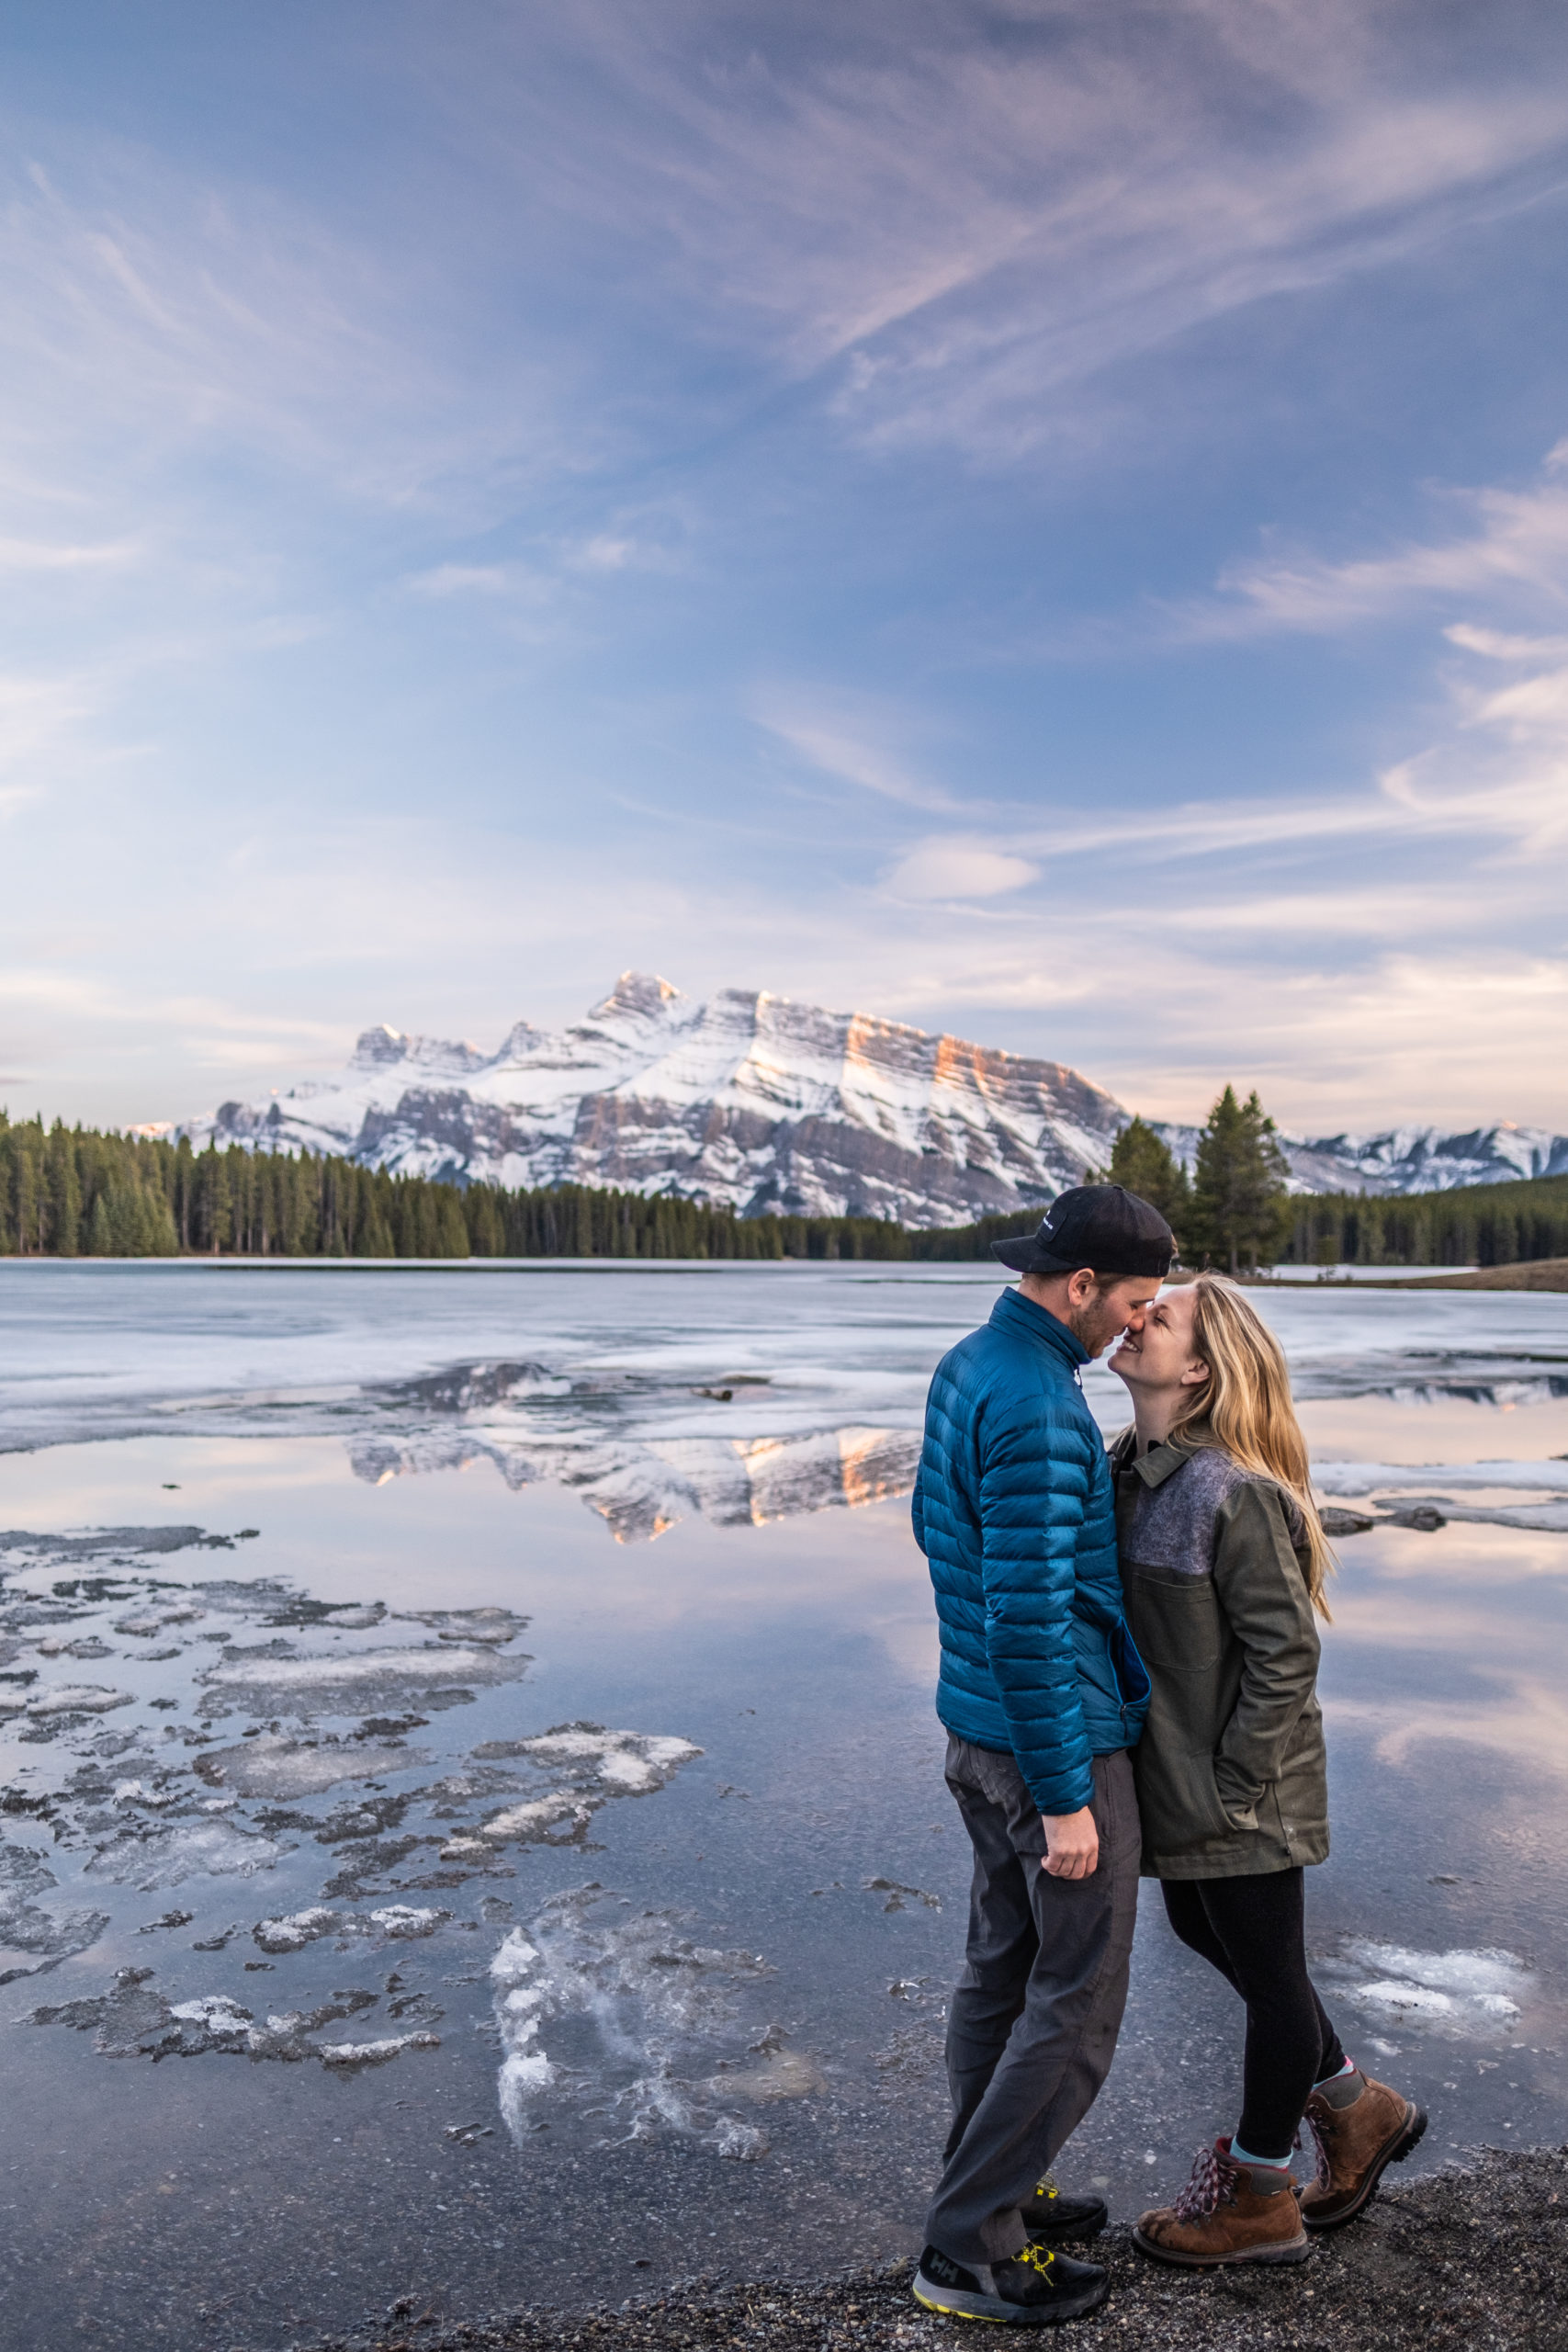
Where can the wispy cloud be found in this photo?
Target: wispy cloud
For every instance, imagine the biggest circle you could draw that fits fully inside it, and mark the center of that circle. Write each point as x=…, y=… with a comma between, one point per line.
x=1517, y=548
x=150, y=312
x=962, y=231
x=39, y=716
x=469, y=580
x=43, y=555
x=849, y=741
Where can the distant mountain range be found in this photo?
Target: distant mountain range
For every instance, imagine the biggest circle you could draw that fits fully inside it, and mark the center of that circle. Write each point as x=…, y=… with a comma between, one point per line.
x=766, y=1103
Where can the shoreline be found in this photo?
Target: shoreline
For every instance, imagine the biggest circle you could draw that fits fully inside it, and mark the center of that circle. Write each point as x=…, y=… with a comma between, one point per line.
x=1525, y=1275
x=1528, y=1273
x=1473, y=2258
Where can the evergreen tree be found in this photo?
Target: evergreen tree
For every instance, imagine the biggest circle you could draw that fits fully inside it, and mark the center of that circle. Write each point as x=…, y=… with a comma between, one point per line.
x=218, y=1186
x=28, y=1237
x=1239, y=1200
x=65, y=1192
x=1148, y=1167
x=451, y=1232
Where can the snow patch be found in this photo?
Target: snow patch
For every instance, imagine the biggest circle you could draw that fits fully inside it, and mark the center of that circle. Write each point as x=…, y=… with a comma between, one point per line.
x=66, y=1698
x=375, y=2053
x=1460, y=1994
x=398, y=1921
x=589, y=1766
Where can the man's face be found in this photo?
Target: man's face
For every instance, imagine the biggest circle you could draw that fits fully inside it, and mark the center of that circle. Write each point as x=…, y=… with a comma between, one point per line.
x=1099, y=1315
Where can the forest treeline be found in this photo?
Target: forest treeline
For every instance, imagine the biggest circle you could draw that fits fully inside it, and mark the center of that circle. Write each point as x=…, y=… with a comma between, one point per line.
x=78, y=1193
x=1236, y=1208
x=1479, y=1225
x=75, y=1193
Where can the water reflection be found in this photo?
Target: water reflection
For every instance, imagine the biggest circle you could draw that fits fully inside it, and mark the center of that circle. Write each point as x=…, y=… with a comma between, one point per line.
x=641, y=1490
x=1453, y=1638
x=622, y=1439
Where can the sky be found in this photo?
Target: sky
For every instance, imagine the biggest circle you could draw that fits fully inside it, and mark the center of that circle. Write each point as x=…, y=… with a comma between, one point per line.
x=1048, y=519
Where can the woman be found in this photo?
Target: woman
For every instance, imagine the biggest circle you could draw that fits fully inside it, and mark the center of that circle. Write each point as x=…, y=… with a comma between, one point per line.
x=1223, y=1561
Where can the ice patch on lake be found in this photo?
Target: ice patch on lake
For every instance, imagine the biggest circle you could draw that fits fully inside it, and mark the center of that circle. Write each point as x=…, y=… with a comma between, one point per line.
x=136, y=1795
x=1530, y=1495
x=32, y=1939
x=145, y=1623
x=587, y=1766
x=490, y=1626
x=274, y=1765
x=375, y=2053
x=1464, y=1995
x=65, y=1699
x=297, y=1930
x=400, y=1922
x=132, y=2019
x=270, y=1682
x=154, y=1857
x=623, y=2025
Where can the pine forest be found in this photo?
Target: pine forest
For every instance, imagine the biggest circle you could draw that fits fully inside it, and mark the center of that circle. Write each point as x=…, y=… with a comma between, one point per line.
x=77, y=1192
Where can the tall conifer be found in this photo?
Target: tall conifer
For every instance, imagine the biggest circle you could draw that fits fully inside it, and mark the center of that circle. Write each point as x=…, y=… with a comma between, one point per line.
x=1148, y=1167
x=1239, y=1199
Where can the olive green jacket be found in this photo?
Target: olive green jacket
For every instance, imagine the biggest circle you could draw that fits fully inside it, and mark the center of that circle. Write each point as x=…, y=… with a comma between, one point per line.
x=1230, y=1770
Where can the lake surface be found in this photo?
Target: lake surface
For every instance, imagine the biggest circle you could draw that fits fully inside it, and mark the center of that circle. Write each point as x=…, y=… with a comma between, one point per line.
x=474, y=1824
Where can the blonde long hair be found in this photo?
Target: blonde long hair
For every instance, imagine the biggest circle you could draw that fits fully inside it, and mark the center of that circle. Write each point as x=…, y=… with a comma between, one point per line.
x=1246, y=1400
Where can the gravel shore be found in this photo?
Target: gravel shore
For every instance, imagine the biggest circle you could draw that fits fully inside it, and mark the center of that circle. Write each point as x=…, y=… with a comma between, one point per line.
x=1472, y=2257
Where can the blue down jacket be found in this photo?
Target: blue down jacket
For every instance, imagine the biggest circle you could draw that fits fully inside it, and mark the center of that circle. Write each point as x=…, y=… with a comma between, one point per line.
x=1014, y=1510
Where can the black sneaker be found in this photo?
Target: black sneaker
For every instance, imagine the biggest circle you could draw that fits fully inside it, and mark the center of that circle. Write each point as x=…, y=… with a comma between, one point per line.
x=1034, y=2288
x=1049, y=2217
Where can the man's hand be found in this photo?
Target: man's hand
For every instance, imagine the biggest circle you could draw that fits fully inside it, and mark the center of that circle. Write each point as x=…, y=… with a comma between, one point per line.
x=1072, y=1844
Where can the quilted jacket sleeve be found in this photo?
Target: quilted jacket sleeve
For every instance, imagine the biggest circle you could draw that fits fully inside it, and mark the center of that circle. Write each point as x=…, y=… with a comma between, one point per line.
x=918, y=1511
x=1033, y=1500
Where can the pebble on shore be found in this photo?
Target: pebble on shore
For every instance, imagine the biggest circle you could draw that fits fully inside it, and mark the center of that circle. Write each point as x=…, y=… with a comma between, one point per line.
x=1472, y=2259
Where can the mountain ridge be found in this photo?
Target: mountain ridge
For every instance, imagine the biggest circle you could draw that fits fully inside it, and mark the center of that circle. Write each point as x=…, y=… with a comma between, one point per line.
x=768, y=1103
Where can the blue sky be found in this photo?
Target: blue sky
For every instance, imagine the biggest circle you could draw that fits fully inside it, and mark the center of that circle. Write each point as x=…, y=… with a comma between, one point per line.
x=1047, y=520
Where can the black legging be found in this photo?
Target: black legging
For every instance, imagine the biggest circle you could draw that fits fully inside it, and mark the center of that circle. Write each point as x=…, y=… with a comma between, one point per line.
x=1253, y=1931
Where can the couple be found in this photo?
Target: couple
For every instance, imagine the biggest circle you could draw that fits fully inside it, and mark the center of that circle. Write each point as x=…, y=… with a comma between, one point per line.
x=1128, y=1670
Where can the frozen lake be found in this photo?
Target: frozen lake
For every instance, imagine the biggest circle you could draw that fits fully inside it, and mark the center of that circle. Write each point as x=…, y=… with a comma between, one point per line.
x=474, y=1817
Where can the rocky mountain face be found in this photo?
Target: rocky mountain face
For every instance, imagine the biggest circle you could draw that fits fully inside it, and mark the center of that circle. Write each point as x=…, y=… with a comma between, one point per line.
x=751, y=1099
x=766, y=1103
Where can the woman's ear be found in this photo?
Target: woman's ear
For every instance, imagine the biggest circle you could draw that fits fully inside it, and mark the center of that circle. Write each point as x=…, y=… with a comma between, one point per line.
x=1196, y=1374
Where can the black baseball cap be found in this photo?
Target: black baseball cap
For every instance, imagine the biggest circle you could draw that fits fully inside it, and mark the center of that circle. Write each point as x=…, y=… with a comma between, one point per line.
x=1102, y=1226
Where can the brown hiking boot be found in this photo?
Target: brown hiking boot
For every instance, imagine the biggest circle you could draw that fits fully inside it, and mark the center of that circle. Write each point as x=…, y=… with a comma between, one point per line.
x=1355, y=2140
x=1223, y=2215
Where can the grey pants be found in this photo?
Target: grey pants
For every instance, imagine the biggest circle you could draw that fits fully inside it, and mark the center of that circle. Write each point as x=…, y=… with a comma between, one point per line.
x=1033, y=2023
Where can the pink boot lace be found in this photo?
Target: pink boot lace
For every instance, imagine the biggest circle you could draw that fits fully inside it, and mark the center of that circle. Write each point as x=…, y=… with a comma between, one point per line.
x=1214, y=2177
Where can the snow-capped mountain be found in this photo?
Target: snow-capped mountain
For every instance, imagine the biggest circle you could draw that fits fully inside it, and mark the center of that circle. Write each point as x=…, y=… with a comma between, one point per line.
x=766, y=1103
x=1404, y=1159
x=748, y=1098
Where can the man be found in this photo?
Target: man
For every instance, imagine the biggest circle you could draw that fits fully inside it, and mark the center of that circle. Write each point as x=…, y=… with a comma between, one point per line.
x=1042, y=1693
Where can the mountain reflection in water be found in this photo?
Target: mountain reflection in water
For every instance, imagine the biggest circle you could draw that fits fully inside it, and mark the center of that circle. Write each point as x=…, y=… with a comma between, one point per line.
x=642, y=1489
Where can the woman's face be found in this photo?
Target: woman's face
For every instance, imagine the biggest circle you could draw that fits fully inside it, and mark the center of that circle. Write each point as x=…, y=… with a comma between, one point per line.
x=1159, y=1354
